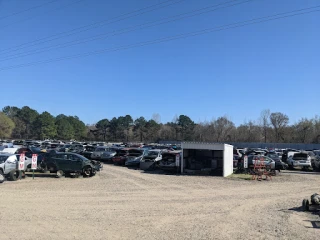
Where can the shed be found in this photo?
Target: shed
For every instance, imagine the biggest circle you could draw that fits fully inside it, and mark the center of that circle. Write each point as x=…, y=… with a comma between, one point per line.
x=214, y=158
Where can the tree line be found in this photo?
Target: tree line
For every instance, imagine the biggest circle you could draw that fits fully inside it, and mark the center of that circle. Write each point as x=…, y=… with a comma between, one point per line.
x=27, y=123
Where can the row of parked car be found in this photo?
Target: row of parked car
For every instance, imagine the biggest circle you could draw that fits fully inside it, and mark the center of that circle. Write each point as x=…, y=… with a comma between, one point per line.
x=77, y=159
x=284, y=159
x=60, y=163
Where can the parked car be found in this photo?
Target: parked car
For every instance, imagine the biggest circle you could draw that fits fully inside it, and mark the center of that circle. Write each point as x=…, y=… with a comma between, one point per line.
x=121, y=156
x=268, y=162
x=150, y=159
x=300, y=159
x=88, y=150
x=98, y=152
x=168, y=161
x=29, y=151
x=69, y=163
x=9, y=167
x=274, y=156
x=107, y=155
x=134, y=157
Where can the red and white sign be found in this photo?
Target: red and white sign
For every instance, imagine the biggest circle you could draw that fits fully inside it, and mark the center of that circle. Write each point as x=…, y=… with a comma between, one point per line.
x=21, y=162
x=34, y=161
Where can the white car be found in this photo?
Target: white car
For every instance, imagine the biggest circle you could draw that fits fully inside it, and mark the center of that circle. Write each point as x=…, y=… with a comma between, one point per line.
x=300, y=159
x=9, y=166
x=150, y=158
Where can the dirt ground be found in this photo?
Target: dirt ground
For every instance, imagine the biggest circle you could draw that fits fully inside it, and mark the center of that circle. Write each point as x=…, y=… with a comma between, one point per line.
x=121, y=203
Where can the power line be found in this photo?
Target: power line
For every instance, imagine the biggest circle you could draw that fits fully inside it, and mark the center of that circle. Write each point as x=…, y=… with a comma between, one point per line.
x=34, y=16
x=189, y=14
x=28, y=9
x=94, y=25
x=175, y=37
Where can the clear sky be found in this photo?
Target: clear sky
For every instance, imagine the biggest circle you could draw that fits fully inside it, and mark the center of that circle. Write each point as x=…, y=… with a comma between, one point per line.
x=236, y=72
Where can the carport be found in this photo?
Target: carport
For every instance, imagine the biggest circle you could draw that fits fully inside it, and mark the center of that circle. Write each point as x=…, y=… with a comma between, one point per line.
x=214, y=158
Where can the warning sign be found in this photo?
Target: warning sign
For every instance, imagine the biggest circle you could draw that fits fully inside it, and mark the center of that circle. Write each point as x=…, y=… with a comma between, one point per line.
x=34, y=161
x=21, y=162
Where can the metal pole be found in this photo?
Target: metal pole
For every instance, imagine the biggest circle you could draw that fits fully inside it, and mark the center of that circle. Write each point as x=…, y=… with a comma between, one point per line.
x=33, y=174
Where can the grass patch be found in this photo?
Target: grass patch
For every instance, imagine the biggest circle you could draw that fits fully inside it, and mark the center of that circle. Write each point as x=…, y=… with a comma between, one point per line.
x=241, y=176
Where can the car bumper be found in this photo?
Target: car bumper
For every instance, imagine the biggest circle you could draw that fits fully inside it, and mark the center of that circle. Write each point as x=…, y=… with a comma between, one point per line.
x=302, y=164
x=133, y=163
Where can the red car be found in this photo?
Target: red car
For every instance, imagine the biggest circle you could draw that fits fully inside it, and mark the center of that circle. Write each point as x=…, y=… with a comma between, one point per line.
x=121, y=156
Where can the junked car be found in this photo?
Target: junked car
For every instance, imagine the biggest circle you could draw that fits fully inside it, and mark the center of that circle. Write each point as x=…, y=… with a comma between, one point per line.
x=69, y=164
x=300, y=159
x=99, y=151
x=9, y=167
x=121, y=156
x=150, y=159
x=134, y=157
x=107, y=155
x=268, y=162
x=88, y=150
x=168, y=161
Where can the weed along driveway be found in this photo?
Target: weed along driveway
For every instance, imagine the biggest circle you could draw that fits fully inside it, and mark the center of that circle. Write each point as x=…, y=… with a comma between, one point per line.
x=119, y=203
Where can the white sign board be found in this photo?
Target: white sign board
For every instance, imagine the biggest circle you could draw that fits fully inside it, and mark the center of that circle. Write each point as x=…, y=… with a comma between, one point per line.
x=21, y=162
x=177, y=160
x=245, y=161
x=34, y=161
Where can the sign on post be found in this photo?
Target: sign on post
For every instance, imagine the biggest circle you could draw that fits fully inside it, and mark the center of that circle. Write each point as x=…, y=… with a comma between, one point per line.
x=21, y=162
x=177, y=160
x=34, y=163
x=245, y=162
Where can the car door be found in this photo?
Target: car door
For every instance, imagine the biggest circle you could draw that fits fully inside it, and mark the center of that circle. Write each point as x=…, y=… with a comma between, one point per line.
x=75, y=162
x=61, y=161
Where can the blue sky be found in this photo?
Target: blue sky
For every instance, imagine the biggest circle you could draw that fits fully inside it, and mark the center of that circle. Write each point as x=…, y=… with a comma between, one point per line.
x=236, y=72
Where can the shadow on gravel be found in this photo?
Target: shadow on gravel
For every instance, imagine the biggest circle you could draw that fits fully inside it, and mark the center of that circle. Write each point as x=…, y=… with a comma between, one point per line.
x=42, y=175
x=310, y=172
x=315, y=224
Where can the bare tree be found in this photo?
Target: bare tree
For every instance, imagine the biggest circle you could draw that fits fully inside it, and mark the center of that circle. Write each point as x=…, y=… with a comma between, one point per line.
x=279, y=121
x=156, y=117
x=265, y=123
x=223, y=127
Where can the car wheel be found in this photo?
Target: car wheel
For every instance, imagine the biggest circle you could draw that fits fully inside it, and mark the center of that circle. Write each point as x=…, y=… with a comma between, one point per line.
x=93, y=172
x=305, y=205
x=87, y=172
x=290, y=167
x=60, y=174
x=1, y=177
x=14, y=175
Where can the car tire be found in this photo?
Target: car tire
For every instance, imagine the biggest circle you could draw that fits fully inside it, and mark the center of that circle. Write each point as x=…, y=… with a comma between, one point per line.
x=2, y=178
x=87, y=172
x=60, y=174
x=305, y=205
x=15, y=175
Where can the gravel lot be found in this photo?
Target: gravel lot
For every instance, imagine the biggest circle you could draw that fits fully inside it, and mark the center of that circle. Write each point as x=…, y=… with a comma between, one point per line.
x=121, y=203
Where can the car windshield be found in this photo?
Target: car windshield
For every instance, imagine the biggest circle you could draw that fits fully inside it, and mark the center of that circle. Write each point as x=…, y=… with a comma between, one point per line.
x=152, y=153
x=135, y=153
x=272, y=155
x=300, y=156
x=3, y=158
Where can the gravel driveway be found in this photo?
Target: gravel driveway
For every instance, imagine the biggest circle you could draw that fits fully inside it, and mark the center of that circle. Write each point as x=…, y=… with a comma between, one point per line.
x=121, y=203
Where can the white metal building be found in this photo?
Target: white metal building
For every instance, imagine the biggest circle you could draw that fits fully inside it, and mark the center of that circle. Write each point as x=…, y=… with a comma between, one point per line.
x=216, y=158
